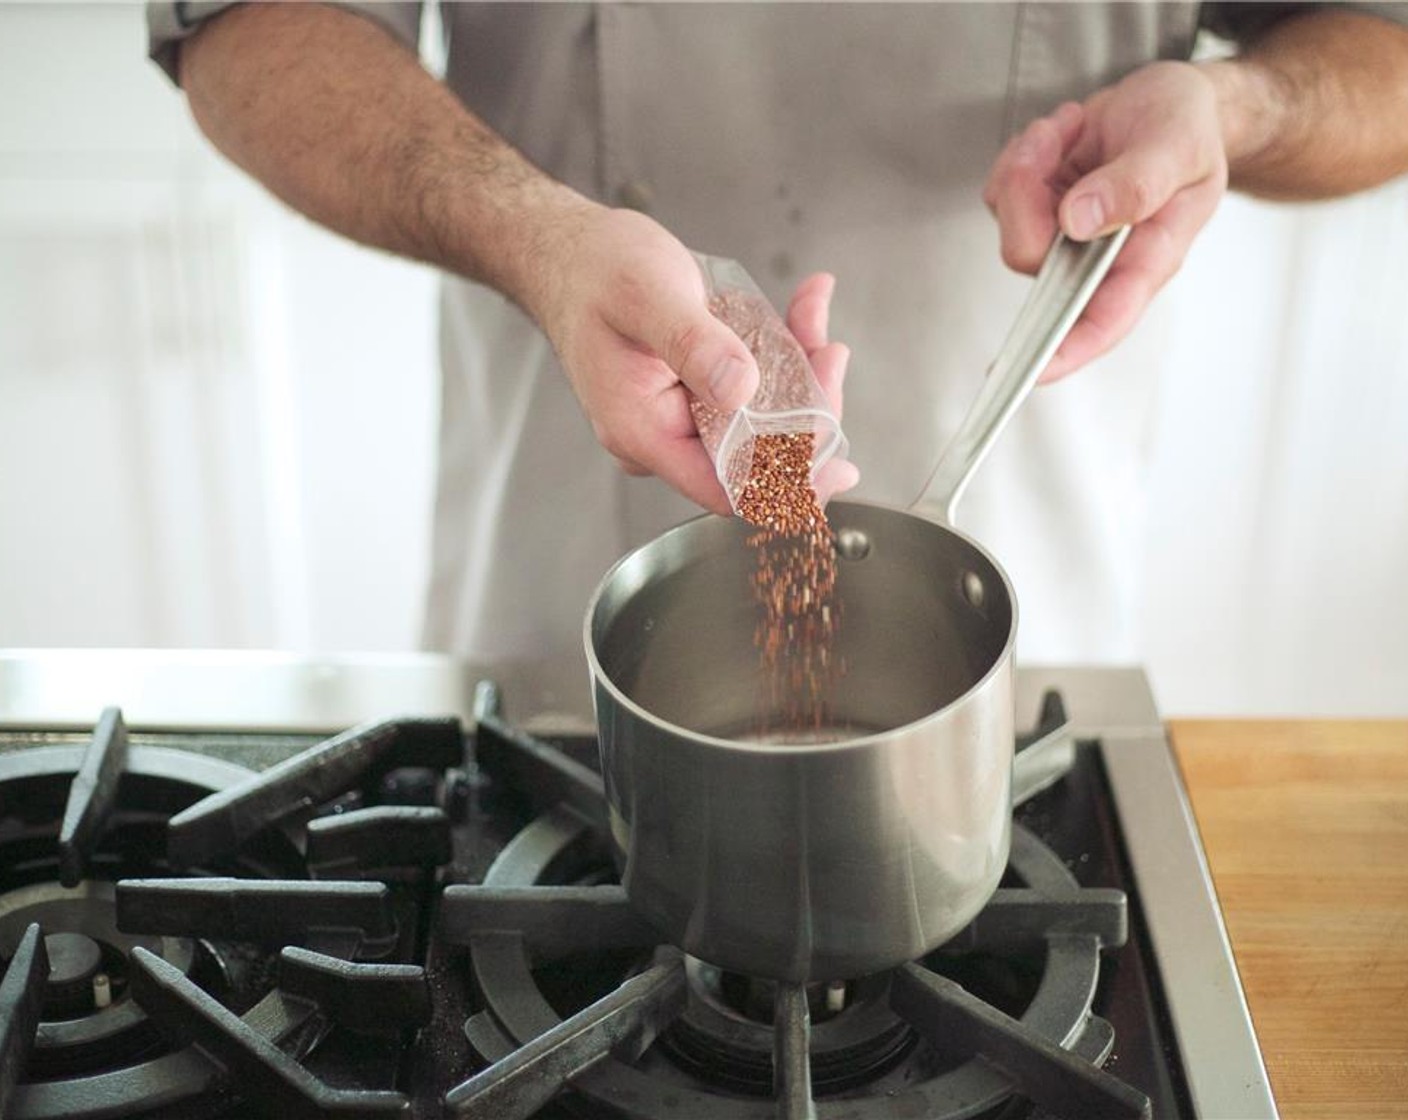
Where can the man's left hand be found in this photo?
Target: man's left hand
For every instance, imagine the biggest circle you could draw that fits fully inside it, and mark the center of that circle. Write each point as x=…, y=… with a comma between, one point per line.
x=1146, y=152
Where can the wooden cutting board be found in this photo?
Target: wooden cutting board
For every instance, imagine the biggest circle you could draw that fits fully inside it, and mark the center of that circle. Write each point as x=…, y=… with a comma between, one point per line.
x=1306, y=830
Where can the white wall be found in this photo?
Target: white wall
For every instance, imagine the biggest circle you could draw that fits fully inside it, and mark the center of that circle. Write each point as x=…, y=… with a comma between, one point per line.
x=217, y=422
x=1277, y=569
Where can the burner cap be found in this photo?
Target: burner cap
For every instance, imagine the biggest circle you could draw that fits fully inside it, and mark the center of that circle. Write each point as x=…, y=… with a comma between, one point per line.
x=74, y=959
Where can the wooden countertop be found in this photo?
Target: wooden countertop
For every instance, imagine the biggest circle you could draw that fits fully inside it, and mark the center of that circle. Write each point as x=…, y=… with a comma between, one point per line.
x=1306, y=830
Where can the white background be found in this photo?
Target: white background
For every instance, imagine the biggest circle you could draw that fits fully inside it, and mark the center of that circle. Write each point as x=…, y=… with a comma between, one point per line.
x=217, y=421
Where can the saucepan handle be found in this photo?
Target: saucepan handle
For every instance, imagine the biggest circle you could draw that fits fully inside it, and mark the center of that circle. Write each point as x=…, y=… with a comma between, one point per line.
x=1067, y=279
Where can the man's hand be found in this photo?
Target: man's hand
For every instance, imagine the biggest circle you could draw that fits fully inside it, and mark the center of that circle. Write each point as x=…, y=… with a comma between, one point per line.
x=808, y=318
x=625, y=307
x=1314, y=107
x=1146, y=152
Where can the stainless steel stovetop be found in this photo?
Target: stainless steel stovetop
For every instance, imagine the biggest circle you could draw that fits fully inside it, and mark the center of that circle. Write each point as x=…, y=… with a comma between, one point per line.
x=228, y=701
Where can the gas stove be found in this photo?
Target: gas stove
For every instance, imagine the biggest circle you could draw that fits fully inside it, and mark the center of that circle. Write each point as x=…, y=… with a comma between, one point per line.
x=268, y=886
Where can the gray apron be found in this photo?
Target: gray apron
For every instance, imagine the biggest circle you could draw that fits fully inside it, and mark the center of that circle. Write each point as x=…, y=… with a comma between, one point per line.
x=797, y=138
x=853, y=139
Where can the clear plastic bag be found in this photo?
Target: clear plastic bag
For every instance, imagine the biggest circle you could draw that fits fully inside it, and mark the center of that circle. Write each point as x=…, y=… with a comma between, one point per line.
x=788, y=401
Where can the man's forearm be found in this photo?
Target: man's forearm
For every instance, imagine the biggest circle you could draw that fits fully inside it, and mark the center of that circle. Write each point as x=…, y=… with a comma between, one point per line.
x=1317, y=106
x=342, y=123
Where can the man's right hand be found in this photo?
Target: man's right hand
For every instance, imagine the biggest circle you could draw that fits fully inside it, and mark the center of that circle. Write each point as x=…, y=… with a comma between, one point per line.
x=625, y=306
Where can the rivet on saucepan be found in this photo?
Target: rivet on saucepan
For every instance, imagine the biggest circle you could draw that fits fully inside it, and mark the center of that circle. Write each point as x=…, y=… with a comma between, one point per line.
x=973, y=590
x=852, y=544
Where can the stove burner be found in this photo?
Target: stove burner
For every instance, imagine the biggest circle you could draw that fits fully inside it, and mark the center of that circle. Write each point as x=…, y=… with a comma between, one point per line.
x=725, y=1033
x=754, y=999
x=928, y=1080
x=99, y=998
x=75, y=1036
x=74, y=962
x=675, y=1041
x=87, y=1021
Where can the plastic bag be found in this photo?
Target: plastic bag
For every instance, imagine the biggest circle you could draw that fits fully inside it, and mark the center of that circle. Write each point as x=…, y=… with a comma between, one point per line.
x=788, y=401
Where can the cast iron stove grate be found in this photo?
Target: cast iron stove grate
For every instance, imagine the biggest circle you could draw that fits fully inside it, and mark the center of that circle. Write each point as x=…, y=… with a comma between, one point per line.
x=131, y=992
x=188, y=939
x=925, y=1046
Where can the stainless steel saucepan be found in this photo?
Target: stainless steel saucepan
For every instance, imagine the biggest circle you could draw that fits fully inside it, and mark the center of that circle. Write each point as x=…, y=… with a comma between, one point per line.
x=871, y=846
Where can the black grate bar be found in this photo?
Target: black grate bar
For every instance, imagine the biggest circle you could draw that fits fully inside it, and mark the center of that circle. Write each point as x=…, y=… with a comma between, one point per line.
x=791, y=1054
x=366, y=998
x=1018, y=919
x=1051, y=718
x=353, y=844
x=553, y=921
x=21, y=1000
x=1040, y=1070
x=92, y=795
x=262, y=1073
x=628, y=1018
x=216, y=826
x=267, y=911
x=1044, y=756
x=538, y=772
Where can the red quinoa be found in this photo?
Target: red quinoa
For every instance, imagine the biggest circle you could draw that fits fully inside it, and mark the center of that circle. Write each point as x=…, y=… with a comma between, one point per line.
x=794, y=578
x=794, y=583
